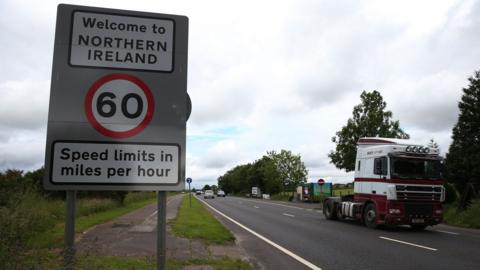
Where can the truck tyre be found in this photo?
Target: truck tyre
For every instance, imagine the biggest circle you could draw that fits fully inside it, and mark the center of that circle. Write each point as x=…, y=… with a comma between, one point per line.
x=370, y=216
x=329, y=210
x=418, y=227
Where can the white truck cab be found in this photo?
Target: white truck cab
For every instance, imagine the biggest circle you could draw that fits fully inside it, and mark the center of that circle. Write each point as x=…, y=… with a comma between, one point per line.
x=397, y=182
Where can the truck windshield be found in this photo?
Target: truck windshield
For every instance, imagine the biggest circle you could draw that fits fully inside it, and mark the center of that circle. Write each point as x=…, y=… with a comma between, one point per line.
x=415, y=168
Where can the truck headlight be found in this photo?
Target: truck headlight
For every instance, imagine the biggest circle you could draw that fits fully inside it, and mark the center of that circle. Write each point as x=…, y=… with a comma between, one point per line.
x=442, y=196
x=394, y=211
x=391, y=192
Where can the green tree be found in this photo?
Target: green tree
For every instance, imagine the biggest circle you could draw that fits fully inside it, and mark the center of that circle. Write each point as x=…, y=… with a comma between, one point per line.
x=370, y=119
x=291, y=170
x=272, y=183
x=432, y=144
x=463, y=158
x=206, y=187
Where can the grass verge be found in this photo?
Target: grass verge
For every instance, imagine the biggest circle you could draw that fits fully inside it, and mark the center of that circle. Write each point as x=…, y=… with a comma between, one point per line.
x=208, y=229
x=197, y=223
x=54, y=262
x=97, y=215
x=469, y=218
x=218, y=264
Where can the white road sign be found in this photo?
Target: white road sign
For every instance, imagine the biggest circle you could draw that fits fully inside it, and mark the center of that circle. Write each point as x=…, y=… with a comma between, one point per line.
x=118, y=101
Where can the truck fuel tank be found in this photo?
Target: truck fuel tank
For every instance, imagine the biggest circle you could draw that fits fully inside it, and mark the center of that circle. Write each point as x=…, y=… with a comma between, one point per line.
x=350, y=209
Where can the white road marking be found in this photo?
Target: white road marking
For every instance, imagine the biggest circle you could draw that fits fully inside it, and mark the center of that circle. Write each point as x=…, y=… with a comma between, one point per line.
x=288, y=215
x=289, y=206
x=407, y=243
x=156, y=211
x=279, y=204
x=454, y=233
x=282, y=249
x=256, y=206
x=153, y=214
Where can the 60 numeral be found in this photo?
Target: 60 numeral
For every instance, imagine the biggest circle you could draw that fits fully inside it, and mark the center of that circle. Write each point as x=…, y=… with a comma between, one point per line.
x=107, y=108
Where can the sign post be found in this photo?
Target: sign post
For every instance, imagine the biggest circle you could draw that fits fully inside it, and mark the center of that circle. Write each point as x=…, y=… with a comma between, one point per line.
x=69, y=252
x=321, y=182
x=189, y=180
x=161, y=229
x=118, y=106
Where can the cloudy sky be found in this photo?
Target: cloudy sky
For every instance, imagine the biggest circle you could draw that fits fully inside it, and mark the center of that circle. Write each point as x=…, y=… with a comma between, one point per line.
x=267, y=75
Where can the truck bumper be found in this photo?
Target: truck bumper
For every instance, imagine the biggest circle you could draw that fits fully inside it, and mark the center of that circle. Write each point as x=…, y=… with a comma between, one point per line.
x=409, y=213
x=402, y=220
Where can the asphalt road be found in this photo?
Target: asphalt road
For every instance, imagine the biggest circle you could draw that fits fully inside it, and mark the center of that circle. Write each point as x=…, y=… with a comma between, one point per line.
x=309, y=241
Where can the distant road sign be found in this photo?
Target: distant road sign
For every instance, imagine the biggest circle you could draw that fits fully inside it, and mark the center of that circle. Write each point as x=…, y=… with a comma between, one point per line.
x=189, y=180
x=321, y=181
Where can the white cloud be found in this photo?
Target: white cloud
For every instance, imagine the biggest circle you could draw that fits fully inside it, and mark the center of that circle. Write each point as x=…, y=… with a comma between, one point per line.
x=24, y=104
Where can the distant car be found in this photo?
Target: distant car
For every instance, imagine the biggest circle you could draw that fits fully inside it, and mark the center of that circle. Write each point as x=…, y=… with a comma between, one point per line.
x=220, y=193
x=209, y=194
x=199, y=192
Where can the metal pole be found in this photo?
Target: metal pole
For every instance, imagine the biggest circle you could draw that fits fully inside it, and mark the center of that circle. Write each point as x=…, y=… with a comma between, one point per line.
x=189, y=195
x=161, y=229
x=69, y=252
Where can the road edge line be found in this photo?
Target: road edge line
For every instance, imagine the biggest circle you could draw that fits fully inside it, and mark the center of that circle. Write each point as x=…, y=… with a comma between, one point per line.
x=268, y=241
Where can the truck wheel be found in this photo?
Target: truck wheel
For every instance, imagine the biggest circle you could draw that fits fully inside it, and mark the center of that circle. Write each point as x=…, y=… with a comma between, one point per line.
x=418, y=227
x=370, y=216
x=329, y=210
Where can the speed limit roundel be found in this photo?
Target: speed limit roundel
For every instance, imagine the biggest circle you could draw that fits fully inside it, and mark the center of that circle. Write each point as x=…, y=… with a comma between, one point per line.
x=119, y=105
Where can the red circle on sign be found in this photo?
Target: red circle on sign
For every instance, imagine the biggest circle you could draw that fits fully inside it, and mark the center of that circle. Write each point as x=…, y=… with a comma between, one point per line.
x=112, y=133
x=321, y=181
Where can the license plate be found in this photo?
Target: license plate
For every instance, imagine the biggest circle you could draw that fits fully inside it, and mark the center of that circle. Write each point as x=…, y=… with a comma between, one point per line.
x=418, y=220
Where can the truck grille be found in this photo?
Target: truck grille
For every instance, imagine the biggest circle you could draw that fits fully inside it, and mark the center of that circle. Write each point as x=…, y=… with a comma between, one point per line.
x=418, y=210
x=418, y=193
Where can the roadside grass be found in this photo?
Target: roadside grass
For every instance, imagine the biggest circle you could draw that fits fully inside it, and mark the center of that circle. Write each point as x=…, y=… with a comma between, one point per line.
x=89, y=212
x=32, y=227
x=217, y=264
x=469, y=218
x=198, y=223
x=54, y=262
x=41, y=255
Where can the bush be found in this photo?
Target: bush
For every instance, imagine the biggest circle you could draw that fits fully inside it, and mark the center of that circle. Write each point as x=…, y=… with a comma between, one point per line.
x=280, y=197
x=21, y=218
x=469, y=218
x=450, y=193
x=10, y=184
x=118, y=196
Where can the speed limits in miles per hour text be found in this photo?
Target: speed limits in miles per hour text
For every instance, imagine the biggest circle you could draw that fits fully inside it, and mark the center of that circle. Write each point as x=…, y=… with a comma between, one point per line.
x=115, y=163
